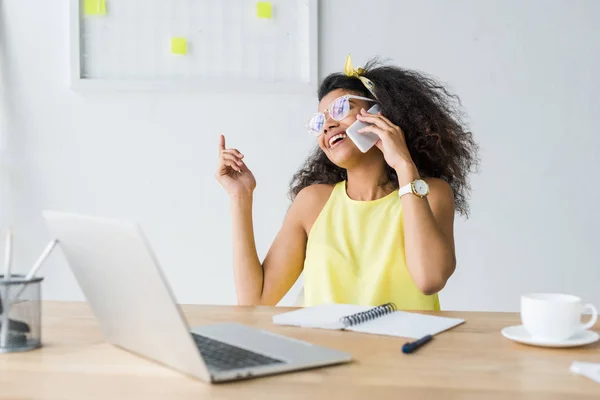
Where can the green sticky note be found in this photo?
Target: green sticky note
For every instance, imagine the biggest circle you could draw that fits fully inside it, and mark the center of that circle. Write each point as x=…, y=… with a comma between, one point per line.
x=264, y=9
x=95, y=7
x=178, y=45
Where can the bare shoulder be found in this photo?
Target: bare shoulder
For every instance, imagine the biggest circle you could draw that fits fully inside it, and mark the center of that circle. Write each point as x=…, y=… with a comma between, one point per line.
x=441, y=194
x=314, y=194
x=439, y=186
x=309, y=203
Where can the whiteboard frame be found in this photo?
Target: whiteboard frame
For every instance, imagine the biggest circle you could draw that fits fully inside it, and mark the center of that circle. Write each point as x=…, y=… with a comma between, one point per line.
x=193, y=85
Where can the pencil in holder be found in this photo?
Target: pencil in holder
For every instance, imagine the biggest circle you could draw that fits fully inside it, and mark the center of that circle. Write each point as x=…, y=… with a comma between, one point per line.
x=20, y=314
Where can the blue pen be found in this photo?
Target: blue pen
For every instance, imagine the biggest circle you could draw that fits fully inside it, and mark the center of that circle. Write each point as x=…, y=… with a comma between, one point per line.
x=412, y=346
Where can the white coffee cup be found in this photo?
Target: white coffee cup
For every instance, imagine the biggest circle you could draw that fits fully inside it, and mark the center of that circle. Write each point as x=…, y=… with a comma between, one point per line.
x=553, y=316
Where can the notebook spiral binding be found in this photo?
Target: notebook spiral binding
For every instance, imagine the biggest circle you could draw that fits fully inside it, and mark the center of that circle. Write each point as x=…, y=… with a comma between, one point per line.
x=374, y=313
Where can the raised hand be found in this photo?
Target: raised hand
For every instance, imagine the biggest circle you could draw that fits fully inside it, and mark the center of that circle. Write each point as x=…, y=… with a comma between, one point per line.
x=232, y=172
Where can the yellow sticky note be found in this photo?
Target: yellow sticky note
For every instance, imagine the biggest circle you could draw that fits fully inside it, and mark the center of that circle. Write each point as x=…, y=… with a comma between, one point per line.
x=95, y=7
x=178, y=45
x=264, y=9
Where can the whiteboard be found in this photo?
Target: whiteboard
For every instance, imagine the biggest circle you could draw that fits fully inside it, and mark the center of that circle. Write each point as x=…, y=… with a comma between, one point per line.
x=227, y=45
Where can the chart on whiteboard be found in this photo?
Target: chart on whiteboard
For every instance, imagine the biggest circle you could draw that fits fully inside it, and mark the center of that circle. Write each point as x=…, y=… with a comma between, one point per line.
x=210, y=40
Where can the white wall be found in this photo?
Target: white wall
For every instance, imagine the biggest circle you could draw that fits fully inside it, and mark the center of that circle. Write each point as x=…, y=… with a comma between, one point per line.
x=527, y=72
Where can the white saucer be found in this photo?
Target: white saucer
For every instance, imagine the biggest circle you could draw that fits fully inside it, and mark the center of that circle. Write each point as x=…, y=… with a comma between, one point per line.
x=519, y=334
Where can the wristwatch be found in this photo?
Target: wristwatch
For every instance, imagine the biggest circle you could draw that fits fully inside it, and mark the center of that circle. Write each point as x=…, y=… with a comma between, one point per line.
x=417, y=187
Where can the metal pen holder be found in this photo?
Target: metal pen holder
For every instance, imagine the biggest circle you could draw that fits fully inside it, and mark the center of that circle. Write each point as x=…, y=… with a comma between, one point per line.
x=20, y=314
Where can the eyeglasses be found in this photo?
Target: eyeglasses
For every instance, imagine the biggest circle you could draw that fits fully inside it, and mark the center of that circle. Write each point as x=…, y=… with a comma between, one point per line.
x=338, y=110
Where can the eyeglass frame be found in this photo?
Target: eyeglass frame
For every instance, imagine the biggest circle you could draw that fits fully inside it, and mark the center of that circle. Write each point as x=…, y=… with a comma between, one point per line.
x=346, y=96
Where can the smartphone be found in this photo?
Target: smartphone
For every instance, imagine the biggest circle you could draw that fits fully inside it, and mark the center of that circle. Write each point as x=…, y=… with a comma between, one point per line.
x=364, y=141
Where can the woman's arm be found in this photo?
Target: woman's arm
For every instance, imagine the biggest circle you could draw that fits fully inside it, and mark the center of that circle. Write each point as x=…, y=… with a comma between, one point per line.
x=247, y=270
x=266, y=284
x=428, y=232
x=429, y=221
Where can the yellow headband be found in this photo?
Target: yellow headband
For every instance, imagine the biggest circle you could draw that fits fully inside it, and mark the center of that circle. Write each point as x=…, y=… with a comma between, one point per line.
x=357, y=73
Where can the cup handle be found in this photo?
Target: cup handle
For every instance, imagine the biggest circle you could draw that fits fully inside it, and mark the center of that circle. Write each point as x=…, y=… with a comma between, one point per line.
x=594, y=318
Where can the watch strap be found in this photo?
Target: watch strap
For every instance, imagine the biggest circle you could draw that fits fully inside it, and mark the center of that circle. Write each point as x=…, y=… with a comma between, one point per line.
x=406, y=189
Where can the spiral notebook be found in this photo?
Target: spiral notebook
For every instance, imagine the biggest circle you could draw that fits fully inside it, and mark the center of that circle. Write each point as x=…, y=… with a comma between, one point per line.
x=381, y=320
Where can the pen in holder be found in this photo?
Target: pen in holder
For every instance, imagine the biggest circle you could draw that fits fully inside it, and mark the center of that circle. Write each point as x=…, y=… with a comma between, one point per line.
x=20, y=313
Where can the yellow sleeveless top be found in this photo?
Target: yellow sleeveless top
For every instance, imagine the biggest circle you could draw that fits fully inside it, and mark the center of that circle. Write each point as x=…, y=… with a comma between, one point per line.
x=355, y=255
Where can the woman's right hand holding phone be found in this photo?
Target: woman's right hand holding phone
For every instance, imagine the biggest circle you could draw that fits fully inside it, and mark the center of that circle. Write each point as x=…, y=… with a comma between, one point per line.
x=232, y=172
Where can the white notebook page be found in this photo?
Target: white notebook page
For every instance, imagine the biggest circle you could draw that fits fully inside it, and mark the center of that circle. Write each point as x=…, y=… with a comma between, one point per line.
x=326, y=316
x=407, y=324
x=398, y=323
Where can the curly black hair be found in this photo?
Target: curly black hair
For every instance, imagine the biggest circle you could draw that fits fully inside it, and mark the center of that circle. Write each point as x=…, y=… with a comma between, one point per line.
x=428, y=114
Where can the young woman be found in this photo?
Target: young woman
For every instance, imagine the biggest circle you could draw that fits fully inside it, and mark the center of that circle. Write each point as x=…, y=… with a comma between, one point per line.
x=366, y=228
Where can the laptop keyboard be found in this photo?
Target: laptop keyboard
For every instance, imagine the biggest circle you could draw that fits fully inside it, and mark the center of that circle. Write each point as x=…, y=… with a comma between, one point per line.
x=222, y=356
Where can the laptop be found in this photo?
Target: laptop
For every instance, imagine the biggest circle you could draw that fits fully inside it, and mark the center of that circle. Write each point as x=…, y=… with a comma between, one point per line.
x=136, y=310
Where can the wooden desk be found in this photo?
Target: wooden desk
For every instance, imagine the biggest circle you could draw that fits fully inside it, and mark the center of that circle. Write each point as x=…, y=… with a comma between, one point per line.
x=471, y=361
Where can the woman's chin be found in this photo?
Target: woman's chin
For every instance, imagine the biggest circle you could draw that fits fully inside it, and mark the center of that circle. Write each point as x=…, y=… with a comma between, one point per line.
x=344, y=156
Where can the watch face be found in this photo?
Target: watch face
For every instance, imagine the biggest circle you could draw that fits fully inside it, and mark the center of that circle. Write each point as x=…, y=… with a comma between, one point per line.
x=421, y=187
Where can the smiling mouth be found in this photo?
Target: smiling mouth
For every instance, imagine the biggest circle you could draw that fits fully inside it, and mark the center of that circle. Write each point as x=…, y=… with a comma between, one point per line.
x=340, y=137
